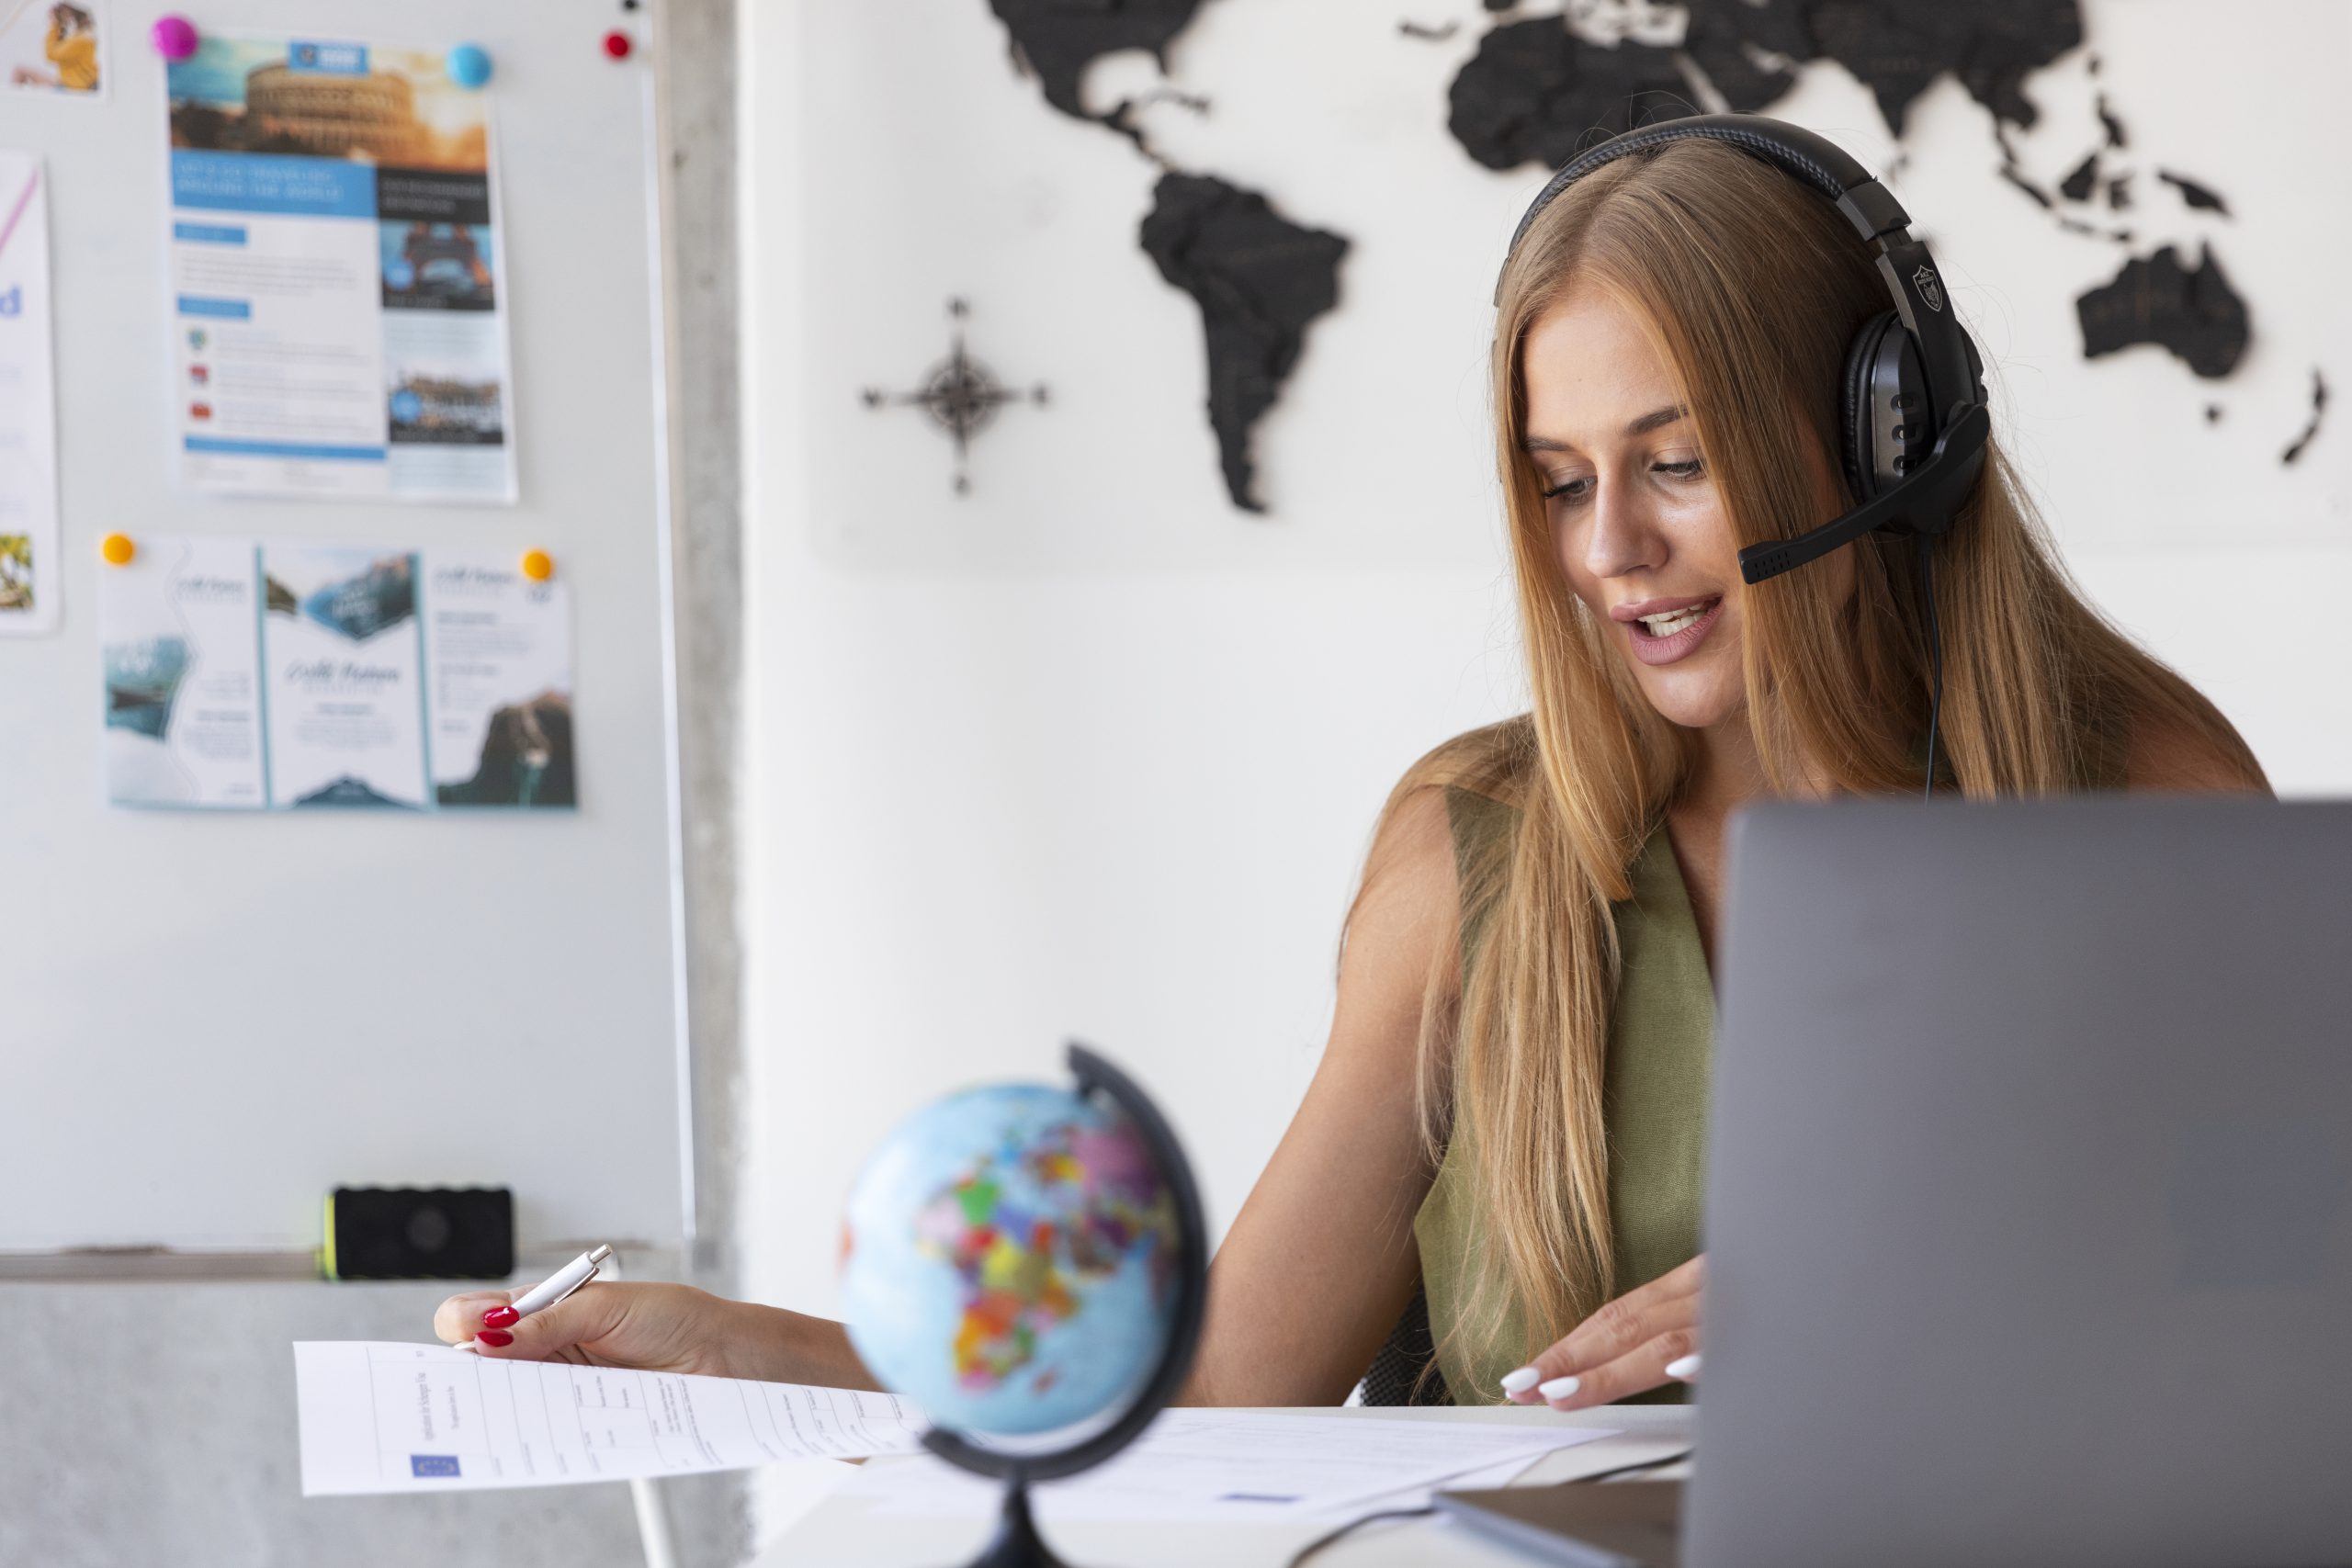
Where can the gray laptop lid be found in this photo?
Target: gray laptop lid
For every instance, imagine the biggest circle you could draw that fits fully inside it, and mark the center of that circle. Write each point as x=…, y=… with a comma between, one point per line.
x=2030, y=1195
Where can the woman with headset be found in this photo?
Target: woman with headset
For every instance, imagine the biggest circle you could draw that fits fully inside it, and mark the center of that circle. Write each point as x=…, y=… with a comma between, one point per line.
x=1764, y=546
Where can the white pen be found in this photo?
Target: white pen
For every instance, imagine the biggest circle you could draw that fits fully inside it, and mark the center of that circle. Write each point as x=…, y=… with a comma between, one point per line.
x=554, y=1288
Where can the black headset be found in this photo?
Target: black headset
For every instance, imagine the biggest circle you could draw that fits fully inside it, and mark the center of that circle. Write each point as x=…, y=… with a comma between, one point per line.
x=1913, y=423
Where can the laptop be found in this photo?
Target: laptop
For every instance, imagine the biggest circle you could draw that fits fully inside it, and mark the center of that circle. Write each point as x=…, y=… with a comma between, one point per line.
x=2029, y=1190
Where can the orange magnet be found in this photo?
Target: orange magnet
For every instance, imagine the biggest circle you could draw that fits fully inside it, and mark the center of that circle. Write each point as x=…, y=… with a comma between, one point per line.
x=538, y=565
x=118, y=549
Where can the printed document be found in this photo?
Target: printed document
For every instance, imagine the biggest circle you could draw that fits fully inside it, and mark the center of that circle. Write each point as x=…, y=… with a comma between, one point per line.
x=1242, y=1464
x=378, y=1417
x=398, y=1417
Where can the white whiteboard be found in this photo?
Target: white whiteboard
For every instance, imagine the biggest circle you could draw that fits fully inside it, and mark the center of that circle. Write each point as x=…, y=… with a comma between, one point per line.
x=207, y=1020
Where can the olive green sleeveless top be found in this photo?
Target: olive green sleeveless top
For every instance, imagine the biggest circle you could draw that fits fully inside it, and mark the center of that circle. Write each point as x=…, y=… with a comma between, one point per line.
x=1653, y=1104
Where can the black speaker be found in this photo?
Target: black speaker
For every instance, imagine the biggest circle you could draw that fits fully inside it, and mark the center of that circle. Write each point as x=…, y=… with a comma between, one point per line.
x=419, y=1233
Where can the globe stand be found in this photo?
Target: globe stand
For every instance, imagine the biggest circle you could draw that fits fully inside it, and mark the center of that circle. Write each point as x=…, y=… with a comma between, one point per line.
x=1016, y=1543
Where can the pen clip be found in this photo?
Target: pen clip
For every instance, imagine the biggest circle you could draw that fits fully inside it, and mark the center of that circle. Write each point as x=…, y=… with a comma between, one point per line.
x=593, y=1270
x=596, y=1267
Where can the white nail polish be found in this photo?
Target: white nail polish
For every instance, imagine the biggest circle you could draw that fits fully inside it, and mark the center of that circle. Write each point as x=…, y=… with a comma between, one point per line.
x=1685, y=1369
x=1560, y=1388
x=1521, y=1381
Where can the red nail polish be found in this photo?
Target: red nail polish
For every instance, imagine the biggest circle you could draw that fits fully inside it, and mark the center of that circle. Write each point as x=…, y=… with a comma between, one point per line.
x=495, y=1337
x=501, y=1317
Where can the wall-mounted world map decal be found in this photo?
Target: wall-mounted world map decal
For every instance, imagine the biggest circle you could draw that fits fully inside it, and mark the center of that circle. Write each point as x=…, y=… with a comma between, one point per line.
x=1541, y=83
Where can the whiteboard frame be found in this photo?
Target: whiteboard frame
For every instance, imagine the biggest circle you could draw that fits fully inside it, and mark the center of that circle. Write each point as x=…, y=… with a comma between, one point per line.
x=140, y=381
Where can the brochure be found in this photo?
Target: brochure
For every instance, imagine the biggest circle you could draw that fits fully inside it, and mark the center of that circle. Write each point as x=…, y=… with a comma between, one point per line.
x=284, y=676
x=499, y=648
x=342, y=663
x=178, y=629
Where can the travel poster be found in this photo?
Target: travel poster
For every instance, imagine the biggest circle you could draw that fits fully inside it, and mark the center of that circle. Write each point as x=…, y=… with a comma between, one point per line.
x=28, y=569
x=178, y=636
x=306, y=676
x=338, y=290
x=54, y=46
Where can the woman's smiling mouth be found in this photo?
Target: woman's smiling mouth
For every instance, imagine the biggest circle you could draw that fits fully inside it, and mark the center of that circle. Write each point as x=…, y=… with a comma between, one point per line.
x=1661, y=631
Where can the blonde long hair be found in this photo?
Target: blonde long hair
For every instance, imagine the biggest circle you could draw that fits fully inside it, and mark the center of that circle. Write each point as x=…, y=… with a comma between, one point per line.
x=1751, y=287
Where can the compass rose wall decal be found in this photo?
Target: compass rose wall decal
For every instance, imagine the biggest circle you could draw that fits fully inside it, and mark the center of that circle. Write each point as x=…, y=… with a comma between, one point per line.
x=960, y=394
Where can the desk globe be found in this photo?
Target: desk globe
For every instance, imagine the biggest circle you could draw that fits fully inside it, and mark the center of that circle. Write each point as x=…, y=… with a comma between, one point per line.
x=1028, y=1263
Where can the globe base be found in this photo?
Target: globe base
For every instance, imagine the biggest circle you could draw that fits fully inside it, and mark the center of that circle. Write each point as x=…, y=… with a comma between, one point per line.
x=1016, y=1543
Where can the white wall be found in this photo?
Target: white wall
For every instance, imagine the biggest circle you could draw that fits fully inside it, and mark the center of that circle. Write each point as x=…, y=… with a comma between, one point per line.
x=988, y=811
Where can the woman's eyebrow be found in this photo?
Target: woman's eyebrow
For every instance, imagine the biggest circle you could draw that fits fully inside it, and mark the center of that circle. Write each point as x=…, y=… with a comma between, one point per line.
x=1654, y=420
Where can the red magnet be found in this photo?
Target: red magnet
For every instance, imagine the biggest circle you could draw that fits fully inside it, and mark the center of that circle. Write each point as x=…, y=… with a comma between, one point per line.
x=617, y=44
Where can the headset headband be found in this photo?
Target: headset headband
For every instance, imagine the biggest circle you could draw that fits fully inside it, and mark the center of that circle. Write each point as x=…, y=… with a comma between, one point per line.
x=1925, y=500
x=1809, y=159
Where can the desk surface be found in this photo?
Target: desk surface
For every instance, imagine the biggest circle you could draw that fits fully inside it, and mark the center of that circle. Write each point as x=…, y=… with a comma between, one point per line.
x=846, y=1531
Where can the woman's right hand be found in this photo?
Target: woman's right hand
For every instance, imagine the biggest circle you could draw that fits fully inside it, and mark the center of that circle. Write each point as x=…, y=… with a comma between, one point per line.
x=660, y=1327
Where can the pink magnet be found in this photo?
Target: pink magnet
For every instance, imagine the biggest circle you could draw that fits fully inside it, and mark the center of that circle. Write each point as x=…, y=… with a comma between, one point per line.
x=174, y=37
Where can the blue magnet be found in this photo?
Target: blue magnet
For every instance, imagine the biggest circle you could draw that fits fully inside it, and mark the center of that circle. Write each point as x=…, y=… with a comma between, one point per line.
x=468, y=65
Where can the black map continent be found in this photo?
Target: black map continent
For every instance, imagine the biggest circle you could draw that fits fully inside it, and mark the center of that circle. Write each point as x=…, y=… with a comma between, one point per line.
x=1535, y=92
x=2191, y=311
x=1260, y=280
x=1897, y=48
x=1057, y=39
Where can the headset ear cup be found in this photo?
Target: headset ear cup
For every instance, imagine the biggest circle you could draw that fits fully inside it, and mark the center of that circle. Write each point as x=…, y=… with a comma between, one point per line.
x=1857, y=426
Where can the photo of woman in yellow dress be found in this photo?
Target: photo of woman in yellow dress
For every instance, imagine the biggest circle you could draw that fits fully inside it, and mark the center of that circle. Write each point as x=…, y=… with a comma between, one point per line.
x=69, y=46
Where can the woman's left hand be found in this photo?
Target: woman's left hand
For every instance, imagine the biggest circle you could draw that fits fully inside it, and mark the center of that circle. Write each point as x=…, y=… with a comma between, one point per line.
x=1623, y=1349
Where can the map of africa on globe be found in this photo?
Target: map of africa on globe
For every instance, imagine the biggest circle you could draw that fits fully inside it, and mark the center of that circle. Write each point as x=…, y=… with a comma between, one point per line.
x=1009, y=1260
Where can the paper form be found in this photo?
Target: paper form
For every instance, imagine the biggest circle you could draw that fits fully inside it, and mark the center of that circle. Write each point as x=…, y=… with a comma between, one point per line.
x=1242, y=1465
x=394, y=1417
